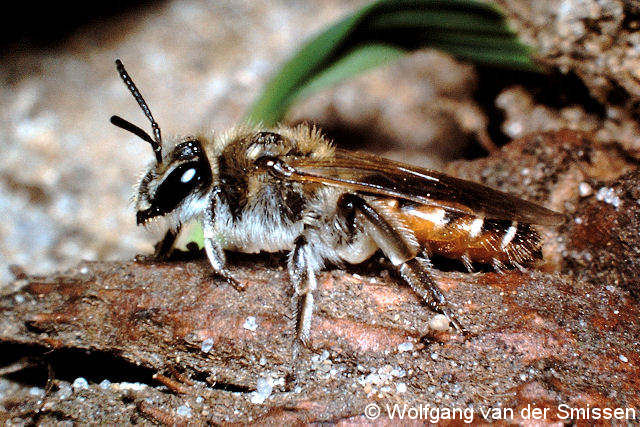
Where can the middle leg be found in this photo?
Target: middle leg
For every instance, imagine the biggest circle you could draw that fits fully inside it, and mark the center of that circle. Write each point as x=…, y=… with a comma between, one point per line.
x=303, y=277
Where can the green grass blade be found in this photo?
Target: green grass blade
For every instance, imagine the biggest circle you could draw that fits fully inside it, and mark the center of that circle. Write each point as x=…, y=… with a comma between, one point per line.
x=438, y=20
x=377, y=34
x=351, y=64
x=518, y=61
x=310, y=59
x=489, y=11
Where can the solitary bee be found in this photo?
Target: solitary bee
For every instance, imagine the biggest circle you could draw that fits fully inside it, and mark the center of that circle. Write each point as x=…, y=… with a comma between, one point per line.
x=289, y=189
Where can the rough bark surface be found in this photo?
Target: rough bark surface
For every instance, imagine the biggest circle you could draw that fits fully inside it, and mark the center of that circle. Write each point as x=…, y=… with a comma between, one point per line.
x=168, y=342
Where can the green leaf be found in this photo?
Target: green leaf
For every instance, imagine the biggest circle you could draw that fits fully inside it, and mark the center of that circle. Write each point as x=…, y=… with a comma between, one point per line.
x=438, y=20
x=353, y=63
x=311, y=59
x=379, y=33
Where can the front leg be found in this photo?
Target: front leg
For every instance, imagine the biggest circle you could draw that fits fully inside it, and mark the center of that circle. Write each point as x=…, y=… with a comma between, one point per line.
x=164, y=247
x=302, y=273
x=214, y=250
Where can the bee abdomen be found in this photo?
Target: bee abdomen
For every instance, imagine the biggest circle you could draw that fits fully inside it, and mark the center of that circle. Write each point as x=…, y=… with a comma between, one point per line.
x=472, y=238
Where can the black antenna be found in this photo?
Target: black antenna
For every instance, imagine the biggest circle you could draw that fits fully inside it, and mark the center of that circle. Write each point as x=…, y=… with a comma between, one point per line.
x=156, y=142
x=127, y=125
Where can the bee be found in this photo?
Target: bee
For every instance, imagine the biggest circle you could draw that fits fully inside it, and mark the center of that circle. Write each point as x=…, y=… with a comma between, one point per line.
x=289, y=189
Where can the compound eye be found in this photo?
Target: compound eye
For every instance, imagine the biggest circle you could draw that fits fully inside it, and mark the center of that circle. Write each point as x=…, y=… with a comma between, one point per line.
x=177, y=186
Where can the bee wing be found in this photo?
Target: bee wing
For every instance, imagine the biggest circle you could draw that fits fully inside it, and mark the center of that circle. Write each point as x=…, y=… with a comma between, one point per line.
x=373, y=175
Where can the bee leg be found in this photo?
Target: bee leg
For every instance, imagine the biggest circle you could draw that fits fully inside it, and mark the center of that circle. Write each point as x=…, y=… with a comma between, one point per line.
x=303, y=278
x=164, y=247
x=216, y=256
x=403, y=257
x=421, y=282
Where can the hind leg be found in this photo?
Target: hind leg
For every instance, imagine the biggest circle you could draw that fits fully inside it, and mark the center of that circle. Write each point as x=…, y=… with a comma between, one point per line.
x=395, y=247
x=416, y=275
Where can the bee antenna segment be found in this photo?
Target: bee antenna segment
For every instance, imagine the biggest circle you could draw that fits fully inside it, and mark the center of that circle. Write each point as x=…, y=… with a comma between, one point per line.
x=128, y=126
x=156, y=142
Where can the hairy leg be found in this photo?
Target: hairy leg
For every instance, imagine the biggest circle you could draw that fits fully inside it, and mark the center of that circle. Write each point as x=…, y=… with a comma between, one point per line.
x=395, y=247
x=303, y=278
x=215, y=252
x=416, y=275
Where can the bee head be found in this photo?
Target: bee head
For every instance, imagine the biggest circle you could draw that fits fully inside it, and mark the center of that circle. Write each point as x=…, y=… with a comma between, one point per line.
x=177, y=184
x=180, y=177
